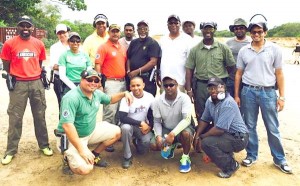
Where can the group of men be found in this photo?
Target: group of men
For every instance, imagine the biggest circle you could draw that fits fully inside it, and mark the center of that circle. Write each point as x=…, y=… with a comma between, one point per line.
x=227, y=83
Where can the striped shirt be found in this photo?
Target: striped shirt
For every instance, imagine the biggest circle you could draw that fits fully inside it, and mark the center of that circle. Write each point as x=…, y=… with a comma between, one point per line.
x=225, y=115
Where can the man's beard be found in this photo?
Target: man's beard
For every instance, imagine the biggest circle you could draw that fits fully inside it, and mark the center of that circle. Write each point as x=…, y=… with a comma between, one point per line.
x=25, y=35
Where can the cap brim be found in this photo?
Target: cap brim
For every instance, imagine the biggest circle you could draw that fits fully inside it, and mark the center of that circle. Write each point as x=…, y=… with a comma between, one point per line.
x=100, y=19
x=93, y=76
x=25, y=22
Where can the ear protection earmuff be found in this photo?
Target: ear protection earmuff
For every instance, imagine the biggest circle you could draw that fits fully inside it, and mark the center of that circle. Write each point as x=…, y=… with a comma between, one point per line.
x=215, y=25
x=68, y=30
x=265, y=28
x=100, y=16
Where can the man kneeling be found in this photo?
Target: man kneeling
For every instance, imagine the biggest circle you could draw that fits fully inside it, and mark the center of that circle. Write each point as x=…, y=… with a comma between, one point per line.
x=78, y=113
x=229, y=133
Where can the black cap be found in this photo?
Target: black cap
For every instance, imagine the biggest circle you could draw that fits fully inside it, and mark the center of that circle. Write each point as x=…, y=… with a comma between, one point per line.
x=174, y=16
x=25, y=19
x=215, y=81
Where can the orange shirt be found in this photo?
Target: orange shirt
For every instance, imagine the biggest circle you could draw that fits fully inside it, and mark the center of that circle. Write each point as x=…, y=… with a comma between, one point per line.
x=24, y=57
x=112, y=59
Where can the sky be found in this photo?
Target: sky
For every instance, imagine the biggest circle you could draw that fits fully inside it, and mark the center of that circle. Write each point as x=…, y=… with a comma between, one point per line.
x=156, y=12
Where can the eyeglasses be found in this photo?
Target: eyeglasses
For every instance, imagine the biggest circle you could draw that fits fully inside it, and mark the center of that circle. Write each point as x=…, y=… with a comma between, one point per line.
x=239, y=28
x=173, y=23
x=211, y=88
x=208, y=29
x=257, y=32
x=75, y=41
x=171, y=85
x=25, y=25
x=95, y=80
x=143, y=28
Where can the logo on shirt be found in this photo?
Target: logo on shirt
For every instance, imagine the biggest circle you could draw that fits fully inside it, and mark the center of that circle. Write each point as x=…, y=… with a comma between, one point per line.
x=142, y=108
x=97, y=56
x=114, y=53
x=26, y=54
x=65, y=113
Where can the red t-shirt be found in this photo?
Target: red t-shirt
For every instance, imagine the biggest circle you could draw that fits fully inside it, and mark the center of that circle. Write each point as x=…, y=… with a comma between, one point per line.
x=112, y=59
x=24, y=57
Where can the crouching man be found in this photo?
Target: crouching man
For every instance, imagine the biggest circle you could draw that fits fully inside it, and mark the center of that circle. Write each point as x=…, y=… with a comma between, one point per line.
x=229, y=133
x=78, y=113
x=172, y=112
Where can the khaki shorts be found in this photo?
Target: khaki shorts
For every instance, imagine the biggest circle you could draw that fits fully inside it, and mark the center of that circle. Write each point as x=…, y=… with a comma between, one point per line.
x=102, y=132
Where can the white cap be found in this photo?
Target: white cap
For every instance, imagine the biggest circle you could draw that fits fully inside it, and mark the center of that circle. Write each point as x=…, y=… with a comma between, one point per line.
x=61, y=27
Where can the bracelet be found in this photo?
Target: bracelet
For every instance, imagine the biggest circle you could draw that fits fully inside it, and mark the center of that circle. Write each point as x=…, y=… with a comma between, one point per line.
x=140, y=71
x=282, y=98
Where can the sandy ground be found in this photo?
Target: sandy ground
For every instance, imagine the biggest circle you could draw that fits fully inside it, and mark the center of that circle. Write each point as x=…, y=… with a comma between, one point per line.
x=31, y=167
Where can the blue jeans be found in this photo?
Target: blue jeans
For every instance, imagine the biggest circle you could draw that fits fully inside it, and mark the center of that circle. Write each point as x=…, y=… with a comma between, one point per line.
x=266, y=99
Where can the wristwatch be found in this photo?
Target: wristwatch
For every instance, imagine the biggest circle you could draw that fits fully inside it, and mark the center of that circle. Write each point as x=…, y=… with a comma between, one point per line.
x=282, y=98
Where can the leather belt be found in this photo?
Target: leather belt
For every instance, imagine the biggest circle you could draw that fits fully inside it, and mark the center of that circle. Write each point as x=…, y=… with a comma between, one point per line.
x=259, y=87
x=116, y=79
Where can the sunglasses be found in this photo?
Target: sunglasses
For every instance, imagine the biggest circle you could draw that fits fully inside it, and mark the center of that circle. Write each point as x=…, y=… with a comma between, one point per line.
x=239, y=28
x=257, y=32
x=75, y=41
x=208, y=29
x=173, y=23
x=171, y=85
x=211, y=88
x=25, y=25
x=95, y=80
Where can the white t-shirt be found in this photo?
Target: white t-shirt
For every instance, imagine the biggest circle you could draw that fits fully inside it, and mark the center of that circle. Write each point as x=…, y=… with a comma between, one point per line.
x=138, y=110
x=55, y=52
x=174, y=56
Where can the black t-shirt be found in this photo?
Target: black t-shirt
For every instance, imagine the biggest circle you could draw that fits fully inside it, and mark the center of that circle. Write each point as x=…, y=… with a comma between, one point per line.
x=140, y=51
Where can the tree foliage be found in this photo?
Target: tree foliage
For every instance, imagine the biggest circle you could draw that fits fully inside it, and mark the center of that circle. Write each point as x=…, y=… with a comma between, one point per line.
x=285, y=30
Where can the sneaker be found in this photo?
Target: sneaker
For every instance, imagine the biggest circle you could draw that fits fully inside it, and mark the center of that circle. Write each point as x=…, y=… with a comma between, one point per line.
x=168, y=151
x=47, y=151
x=110, y=149
x=127, y=162
x=185, y=164
x=284, y=167
x=100, y=162
x=248, y=162
x=228, y=174
x=66, y=168
x=6, y=159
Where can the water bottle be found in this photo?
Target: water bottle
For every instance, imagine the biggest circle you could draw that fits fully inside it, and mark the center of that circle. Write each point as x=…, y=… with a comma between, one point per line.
x=166, y=150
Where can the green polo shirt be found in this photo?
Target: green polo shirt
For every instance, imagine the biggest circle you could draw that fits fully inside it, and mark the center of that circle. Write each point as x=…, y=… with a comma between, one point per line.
x=210, y=62
x=76, y=108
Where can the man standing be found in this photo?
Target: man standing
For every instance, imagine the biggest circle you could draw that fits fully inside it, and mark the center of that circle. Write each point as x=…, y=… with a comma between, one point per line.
x=175, y=50
x=100, y=36
x=239, y=28
x=172, y=112
x=79, y=109
x=209, y=58
x=229, y=133
x=189, y=28
x=110, y=62
x=259, y=67
x=17, y=54
x=137, y=120
x=143, y=54
x=129, y=35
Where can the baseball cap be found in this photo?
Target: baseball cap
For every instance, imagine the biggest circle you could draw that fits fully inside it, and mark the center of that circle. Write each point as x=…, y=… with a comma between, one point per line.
x=100, y=17
x=260, y=24
x=143, y=22
x=189, y=22
x=205, y=24
x=74, y=34
x=114, y=27
x=238, y=22
x=215, y=81
x=61, y=27
x=90, y=73
x=169, y=76
x=174, y=16
x=25, y=19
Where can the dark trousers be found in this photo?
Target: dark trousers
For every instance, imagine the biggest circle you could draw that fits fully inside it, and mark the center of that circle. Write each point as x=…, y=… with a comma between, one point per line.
x=220, y=149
